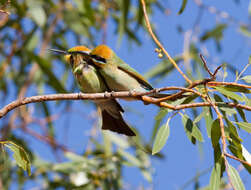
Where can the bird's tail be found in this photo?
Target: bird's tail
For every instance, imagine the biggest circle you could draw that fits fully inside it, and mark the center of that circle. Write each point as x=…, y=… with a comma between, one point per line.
x=112, y=119
x=115, y=124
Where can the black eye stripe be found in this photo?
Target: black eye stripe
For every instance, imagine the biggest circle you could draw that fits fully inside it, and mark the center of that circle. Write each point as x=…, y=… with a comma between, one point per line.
x=71, y=61
x=98, y=58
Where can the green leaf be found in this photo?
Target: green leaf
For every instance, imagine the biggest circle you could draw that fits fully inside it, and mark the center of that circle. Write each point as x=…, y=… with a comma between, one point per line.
x=130, y=158
x=228, y=111
x=125, y=5
x=199, y=117
x=215, y=178
x=192, y=131
x=242, y=114
x=215, y=132
x=236, y=89
x=147, y=175
x=20, y=156
x=245, y=31
x=216, y=33
x=162, y=69
x=228, y=93
x=233, y=132
x=37, y=14
x=247, y=78
x=116, y=139
x=208, y=119
x=159, y=117
x=162, y=113
x=183, y=6
x=235, y=178
x=245, y=126
x=161, y=138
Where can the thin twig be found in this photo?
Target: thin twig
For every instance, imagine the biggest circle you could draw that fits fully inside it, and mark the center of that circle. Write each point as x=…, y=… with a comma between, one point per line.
x=235, y=158
x=245, y=68
x=215, y=83
x=205, y=66
x=223, y=136
x=148, y=25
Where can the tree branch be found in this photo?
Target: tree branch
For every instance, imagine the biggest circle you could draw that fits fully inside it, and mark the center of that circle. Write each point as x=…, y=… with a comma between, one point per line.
x=99, y=96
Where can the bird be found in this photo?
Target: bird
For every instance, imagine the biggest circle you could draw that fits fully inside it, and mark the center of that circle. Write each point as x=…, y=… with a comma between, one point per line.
x=91, y=81
x=118, y=75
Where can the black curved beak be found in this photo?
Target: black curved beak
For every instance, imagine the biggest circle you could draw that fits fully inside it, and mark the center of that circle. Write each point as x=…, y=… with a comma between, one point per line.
x=58, y=51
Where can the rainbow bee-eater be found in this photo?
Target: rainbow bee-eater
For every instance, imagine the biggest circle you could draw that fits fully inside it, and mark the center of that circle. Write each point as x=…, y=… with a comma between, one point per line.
x=118, y=75
x=91, y=81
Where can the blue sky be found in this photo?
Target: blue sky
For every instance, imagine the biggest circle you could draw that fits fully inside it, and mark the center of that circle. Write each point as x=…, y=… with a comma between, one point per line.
x=182, y=159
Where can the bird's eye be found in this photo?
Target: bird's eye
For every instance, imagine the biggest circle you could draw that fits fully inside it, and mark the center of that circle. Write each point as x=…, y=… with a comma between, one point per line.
x=71, y=61
x=98, y=58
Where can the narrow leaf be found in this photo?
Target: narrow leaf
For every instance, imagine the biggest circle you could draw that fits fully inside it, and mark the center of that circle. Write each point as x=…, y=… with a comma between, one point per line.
x=245, y=126
x=161, y=138
x=215, y=132
x=183, y=6
x=37, y=13
x=228, y=93
x=247, y=78
x=215, y=177
x=20, y=156
x=192, y=131
x=208, y=119
x=235, y=178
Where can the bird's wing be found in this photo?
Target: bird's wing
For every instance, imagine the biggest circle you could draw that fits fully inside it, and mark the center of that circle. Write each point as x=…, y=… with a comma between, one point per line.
x=126, y=68
x=109, y=90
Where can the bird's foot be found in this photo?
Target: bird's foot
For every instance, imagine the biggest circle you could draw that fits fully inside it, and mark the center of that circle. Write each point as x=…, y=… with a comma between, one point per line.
x=106, y=94
x=155, y=91
x=131, y=92
x=112, y=93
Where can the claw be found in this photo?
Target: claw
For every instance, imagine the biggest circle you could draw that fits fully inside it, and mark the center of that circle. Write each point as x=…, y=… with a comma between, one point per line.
x=131, y=92
x=106, y=94
x=112, y=93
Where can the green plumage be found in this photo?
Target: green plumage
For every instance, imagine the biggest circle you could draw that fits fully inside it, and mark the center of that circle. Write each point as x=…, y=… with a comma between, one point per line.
x=90, y=81
x=118, y=75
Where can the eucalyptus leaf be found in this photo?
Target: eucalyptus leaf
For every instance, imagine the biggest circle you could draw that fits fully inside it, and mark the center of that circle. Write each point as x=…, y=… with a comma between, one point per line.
x=37, y=14
x=247, y=78
x=245, y=126
x=161, y=138
x=192, y=131
x=215, y=178
x=215, y=132
x=20, y=156
x=235, y=178
x=228, y=93
x=183, y=6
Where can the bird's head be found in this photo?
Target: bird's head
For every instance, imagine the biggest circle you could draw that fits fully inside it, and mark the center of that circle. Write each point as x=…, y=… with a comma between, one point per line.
x=75, y=55
x=101, y=54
